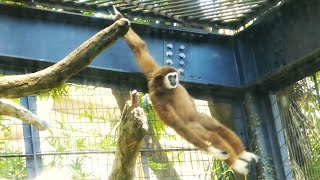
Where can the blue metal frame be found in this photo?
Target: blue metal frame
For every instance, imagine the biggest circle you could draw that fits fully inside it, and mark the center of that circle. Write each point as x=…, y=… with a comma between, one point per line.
x=237, y=61
x=284, y=163
x=284, y=36
x=255, y=54
x=209, y=59
x=32, y=140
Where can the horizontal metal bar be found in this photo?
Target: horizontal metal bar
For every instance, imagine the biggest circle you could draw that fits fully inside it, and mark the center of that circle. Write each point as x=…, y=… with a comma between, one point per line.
x=2, y=155
x=152, y=2
x=100, y=2
x=226, y=18
x=170, y=3
x=127, y=7
x=221, y=14
x=205, y=4
x=230, y=20
x=215, y=9
x=176, y=7
x=93, y=152
x=67, y=6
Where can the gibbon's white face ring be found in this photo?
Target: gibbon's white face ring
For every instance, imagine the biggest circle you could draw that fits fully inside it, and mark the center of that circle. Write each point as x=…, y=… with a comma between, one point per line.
x=171, y=80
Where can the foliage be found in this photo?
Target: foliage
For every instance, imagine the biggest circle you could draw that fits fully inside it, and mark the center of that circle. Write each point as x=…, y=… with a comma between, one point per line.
x=56, y=93
x=220, y=171
x=6, y=132
x=154, y=165
x=77, y=166
x=153, y=119
x=301, y=102
x=10, y=166
x=13, y=166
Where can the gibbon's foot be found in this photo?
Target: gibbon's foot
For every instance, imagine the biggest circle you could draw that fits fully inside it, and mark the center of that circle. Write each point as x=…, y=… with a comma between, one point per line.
x=217, y=153
x=243, y=163
x=248, y=157
x=240, y=166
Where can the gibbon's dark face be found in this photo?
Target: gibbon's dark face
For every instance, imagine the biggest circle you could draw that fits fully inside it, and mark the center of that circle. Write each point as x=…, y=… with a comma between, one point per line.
x=171, y=80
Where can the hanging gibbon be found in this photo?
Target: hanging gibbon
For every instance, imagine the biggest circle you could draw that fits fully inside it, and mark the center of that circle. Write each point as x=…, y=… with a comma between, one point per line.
x=176, y=108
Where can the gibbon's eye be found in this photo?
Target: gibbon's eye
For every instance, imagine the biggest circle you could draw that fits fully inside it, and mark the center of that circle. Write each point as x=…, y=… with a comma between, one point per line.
x=175, y=76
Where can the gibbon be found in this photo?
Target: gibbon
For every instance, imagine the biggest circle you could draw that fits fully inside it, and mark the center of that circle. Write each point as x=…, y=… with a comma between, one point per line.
x=176, y=108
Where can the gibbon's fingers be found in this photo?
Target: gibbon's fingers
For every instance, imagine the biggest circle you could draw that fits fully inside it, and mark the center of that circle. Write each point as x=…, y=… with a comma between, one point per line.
x=249, y=156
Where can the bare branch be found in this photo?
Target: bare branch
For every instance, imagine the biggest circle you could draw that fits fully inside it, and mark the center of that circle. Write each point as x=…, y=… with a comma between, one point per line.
x=132, y=129
x=46, y=79
x=9, y=108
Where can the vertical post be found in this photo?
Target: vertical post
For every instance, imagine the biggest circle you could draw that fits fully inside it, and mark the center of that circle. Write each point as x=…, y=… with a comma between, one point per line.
x=144, y=161
x=259, y=135
x=31, y=140
x=240, y=129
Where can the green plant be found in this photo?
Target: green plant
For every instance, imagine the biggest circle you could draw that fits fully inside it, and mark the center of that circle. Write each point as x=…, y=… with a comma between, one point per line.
x=220, y=171
x=13, y=167
x=56, y=93
x=78, y=169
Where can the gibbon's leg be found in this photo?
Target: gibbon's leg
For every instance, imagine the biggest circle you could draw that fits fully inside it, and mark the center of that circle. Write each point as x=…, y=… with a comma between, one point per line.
x=229, y=136
x=214, y=139
x=140, y=50
x=167, y=113
x=214, y=125
x=237, y=164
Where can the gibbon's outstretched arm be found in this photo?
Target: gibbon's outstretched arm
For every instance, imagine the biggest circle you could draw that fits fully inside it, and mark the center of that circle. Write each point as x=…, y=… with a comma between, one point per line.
x=145, y=61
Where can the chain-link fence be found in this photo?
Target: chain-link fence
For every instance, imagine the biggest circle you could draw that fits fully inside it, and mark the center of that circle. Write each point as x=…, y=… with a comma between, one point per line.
x=81, y=141
x=296, y=109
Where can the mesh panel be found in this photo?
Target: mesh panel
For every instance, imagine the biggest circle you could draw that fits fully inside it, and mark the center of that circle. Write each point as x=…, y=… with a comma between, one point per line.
x=297, y=113
x=81, y=141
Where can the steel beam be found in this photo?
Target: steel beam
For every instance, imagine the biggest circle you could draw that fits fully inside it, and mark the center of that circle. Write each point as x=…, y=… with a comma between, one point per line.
x=286, y=35
x=49, y=36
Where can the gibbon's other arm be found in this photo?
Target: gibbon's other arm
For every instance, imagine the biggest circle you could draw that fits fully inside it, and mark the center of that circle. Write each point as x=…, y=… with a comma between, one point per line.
x=145, y=61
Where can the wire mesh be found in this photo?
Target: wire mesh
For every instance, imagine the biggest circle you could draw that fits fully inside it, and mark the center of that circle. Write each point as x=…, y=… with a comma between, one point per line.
x=297, y=115
x=12, y=146
x=81, y=141
x=210, y=13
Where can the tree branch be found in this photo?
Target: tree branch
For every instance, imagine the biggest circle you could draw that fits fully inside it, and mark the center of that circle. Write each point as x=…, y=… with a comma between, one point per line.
x=9, y=108
x=132, y=130
x=22, y=85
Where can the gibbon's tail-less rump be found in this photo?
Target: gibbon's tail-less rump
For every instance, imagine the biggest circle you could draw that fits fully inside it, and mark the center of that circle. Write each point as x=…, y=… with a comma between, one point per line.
x=177, y=109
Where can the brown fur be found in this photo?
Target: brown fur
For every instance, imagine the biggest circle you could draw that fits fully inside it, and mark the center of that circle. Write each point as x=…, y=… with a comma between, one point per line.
x=176, y=107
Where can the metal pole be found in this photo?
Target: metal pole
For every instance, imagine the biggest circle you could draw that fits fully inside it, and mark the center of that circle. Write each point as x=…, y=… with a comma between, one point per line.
x=31, y=140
